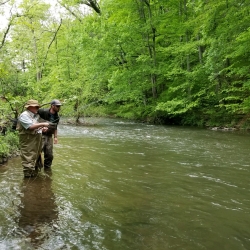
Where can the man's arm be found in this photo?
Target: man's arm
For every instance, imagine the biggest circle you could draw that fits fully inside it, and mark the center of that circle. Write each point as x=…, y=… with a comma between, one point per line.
x=39, y=125
x=55, y=137
x=29, y=123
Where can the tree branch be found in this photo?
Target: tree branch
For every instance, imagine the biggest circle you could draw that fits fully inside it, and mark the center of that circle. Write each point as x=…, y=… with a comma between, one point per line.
x=93, y=4
x=5, y=35
x=4, y=2
x=52, y=40
x=69, y=10
x=8, y=27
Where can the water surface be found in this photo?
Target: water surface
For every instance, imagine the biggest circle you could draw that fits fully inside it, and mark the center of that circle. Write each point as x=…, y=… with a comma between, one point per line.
x=125, y=185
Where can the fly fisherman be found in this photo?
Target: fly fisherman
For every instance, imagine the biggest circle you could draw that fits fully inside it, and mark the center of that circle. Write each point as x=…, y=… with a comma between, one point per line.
x=51, y=115
x=30, y=138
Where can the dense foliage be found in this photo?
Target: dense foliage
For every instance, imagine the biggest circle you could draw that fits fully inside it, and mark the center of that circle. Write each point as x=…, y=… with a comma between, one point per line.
x=9, y=145
x=168, y=61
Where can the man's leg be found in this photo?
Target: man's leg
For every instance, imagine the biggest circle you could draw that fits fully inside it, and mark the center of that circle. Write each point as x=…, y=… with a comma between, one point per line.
x=29, y=145
x=48, y=151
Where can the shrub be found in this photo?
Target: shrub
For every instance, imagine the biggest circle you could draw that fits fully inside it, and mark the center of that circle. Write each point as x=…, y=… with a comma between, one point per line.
x=8, y=143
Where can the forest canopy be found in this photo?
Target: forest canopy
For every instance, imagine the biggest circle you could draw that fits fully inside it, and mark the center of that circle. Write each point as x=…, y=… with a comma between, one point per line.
x=170, y=61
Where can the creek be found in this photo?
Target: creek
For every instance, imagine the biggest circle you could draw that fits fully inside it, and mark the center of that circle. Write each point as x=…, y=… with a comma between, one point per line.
x=126, y=185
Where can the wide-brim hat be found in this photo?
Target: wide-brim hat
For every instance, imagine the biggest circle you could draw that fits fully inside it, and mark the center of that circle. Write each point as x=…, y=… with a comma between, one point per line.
x=32, y=103
x=56, y=102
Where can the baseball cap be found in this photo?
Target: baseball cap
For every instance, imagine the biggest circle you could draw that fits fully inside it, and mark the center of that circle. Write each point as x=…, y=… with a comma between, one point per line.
x=56, y=102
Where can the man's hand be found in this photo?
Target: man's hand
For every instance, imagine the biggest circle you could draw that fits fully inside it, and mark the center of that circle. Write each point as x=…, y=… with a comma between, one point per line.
x=44, y=129
x=55, y=140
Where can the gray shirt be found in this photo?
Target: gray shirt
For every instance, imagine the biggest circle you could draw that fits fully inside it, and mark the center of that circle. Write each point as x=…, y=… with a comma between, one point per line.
x=27, y=118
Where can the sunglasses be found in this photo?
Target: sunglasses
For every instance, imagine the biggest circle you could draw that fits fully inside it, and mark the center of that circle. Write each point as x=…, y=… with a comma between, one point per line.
x=58, y=106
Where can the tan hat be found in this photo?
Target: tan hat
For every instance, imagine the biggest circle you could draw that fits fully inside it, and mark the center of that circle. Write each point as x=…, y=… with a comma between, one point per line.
x=32, y=103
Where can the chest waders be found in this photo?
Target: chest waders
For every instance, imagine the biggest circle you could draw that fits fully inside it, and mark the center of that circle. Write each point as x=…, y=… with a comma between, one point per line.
x=31, y=147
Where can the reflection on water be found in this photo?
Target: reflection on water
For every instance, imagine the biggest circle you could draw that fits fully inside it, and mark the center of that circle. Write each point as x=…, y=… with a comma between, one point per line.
x=38, y=209
x=123, y=185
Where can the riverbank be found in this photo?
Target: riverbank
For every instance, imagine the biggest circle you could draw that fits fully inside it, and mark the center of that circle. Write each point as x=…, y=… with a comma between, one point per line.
x=9, y=146
x=4, y=159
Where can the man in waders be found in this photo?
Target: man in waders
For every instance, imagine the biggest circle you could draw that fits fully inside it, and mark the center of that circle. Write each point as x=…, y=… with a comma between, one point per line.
x=51, y=115
x=30, y=138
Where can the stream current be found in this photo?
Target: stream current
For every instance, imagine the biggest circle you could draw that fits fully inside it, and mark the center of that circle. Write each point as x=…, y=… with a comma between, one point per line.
x=120, y=185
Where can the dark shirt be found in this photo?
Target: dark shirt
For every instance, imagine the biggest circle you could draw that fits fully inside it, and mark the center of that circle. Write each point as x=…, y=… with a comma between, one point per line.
x=52, y=118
